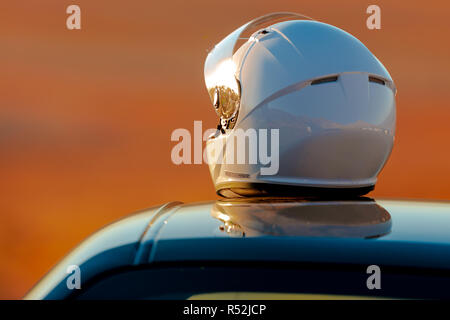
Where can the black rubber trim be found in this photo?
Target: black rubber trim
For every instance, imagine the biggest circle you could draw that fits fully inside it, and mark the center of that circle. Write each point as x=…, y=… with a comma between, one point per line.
x=260, y=264
x=236, y=190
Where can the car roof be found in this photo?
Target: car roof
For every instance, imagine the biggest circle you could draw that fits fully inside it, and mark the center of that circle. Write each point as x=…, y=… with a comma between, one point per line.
x=412, y=221
x=398, y=233
x=363, y=232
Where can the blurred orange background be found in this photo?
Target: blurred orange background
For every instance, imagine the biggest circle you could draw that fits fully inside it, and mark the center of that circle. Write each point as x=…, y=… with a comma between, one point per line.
x=86, y=115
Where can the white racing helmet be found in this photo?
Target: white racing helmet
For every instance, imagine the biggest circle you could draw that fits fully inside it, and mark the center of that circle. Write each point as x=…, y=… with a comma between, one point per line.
x=319, y=104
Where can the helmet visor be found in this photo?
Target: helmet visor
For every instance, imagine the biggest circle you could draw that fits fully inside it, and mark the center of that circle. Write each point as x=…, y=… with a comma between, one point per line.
x=221, y=72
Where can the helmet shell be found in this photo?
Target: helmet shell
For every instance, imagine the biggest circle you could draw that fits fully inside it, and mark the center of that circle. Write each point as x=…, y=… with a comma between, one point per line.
x=329, y=97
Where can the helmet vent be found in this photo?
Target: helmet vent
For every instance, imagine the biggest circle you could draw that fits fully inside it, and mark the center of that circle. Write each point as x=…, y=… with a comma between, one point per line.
x=376, y=80
x=324, y=80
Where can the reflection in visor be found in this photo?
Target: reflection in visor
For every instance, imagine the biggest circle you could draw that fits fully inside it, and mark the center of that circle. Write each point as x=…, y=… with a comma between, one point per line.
x=221, y=73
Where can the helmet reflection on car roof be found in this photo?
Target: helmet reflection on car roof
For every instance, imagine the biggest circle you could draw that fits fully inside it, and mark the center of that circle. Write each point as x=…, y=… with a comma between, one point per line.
x=362, y=218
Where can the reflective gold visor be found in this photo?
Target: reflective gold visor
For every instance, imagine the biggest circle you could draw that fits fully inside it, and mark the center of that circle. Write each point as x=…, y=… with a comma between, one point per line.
x=221, y=73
